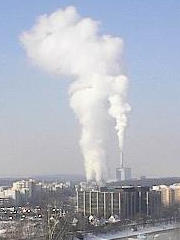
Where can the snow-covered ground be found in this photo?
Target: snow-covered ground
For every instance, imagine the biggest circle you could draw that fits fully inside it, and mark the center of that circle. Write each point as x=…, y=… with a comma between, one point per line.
x=129, y=234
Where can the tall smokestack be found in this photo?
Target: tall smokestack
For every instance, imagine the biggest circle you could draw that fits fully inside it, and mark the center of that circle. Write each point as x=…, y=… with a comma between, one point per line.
x=121, y=160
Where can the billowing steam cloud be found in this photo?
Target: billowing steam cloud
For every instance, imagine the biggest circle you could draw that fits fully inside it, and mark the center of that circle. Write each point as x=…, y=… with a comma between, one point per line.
x=66, y=44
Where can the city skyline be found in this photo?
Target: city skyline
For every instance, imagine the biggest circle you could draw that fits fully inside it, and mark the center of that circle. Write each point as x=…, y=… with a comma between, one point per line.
x=39, y=133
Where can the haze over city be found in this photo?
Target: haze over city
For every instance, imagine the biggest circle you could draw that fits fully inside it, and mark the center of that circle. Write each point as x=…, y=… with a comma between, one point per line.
x=40, y=133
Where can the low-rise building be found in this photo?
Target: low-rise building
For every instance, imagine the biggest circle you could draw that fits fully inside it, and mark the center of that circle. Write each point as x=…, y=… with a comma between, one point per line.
x=167, y=194
x=176, y=193
x=124, y=202
x=170, y=195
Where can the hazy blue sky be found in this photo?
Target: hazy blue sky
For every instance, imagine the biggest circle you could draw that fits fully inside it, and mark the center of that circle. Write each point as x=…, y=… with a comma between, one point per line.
x=39, y=133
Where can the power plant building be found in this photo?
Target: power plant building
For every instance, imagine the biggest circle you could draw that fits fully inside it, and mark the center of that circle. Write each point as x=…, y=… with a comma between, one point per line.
x=123, y=173
x=125, y=202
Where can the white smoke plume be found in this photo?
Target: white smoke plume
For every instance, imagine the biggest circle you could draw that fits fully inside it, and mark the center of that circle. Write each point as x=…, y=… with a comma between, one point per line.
x=66, y=44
